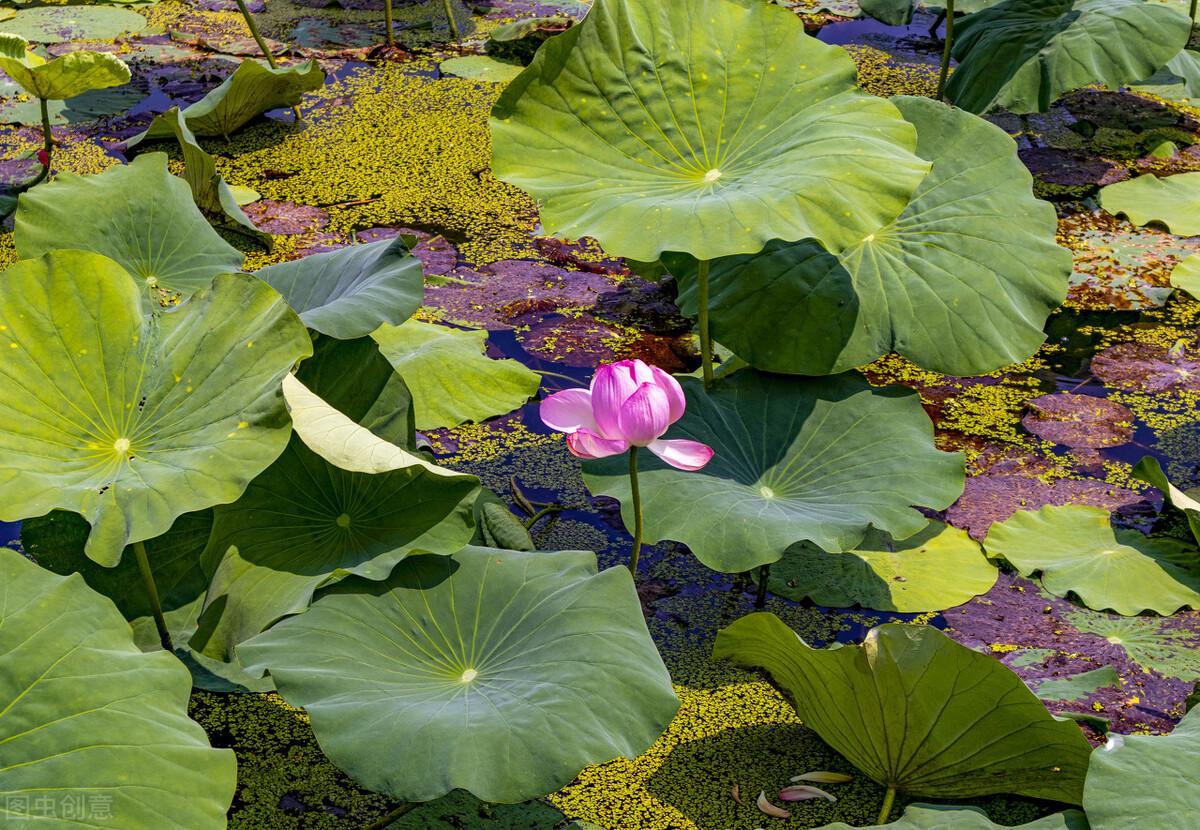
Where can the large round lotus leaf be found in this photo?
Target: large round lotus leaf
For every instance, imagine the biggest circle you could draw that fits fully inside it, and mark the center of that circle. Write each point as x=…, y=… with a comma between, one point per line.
x=817, y=460
x=305, y=523
x=891, y=12
x=721, y=126
x=1138, y=777
x=64, y=77
x=251, y=90
x=957, y=817
x=1077, y=551
x=1173, y=201
x=961, y=282
x=938, y=568
x=451, y=379
x=91, y=722
x=352, y=291
x=915, y=710
x=133, y=419
x=137, y=214
x=1021, y=55
x=502, y=673
x=1151, y=472
x=56, y=24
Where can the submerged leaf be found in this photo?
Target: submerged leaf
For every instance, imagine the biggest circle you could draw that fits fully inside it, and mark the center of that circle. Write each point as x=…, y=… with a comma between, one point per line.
x=842, y=457
x=916, y=711
x=723, y=126
x=57, y=24
x=481, y=671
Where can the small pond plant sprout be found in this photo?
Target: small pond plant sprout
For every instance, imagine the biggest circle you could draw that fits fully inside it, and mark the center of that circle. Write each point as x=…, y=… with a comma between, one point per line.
x=57, y=80
x=629, y=406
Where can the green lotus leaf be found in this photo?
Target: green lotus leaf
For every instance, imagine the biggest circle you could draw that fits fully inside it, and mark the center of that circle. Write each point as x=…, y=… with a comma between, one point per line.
x=209, y=190
x=1078, y=686
x=841, y=457
x=1077, y=551
x=16, y=107
x=961, y=282
x=938, y=568
x=58, y=24
x=251, y=90
x=64, y=77
x=956, y=817
x=502, y=673
x=56, y=542
x=891, y=12
x=133, y=419
x=451, y=379
x=1173, y=201
x=722, y=126
x=136, y=214
x=351, y=291
x=1021, y=55
x=1186, y=275
x=918, y=712
x=1168, y=650
x=481, y=68
x=306, y=523
x=1178, y=80
x=90, y=721
x=1151, y=472
x=1136, y=777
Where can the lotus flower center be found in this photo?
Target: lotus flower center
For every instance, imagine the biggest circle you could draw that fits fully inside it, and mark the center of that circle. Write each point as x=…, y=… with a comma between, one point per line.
x=766, y=492
x=343, y=520
x=121, y=445
x=712, y=175
x=469, y=675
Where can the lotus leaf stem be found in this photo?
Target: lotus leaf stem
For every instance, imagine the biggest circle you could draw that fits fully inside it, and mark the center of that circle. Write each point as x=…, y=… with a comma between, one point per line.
x=403, y=809
x=387, y=19
x=454, y=33
x=160, y=622
x=637, y=512
x=947, y=45
x=47, y=142
x=890, y=798
x=705, y=339
x=760, y=600
x=258, y=38
x=545, y=511
x=1192, y=12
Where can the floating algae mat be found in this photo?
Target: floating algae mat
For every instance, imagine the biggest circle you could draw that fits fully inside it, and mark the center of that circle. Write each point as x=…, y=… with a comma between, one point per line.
x=541, y=415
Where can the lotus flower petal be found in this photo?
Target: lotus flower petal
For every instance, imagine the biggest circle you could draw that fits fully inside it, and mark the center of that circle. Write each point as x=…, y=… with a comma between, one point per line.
x=569, y=410
x=681, y=453
x=802, y=793
x=645, y=415
x=584, y=443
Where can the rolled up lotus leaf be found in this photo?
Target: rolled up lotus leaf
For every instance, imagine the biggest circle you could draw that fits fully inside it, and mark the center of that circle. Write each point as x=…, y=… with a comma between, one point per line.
x=502, y=673
x=721, y=127
x=918, y=712
x=63, y=77
x=91, y=723
x=132, y=418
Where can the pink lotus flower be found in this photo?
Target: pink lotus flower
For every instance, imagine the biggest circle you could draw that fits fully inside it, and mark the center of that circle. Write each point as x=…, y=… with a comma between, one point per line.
x=628, y=405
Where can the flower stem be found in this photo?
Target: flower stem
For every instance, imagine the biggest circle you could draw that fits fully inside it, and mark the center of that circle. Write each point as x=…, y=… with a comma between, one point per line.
x=387, y=19
x=446, y=4
x=47, y=143
x=637, y=512
x=403, y=809
x=889, y=799
x=702, y=322
x=160, y=622
x=946, y=47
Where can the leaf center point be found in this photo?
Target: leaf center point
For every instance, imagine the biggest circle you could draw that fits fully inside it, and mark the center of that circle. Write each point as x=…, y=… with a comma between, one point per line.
x=468, y=676
x=711, y=176
x=343, y=521
x=766, y=492
x=121, y=446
